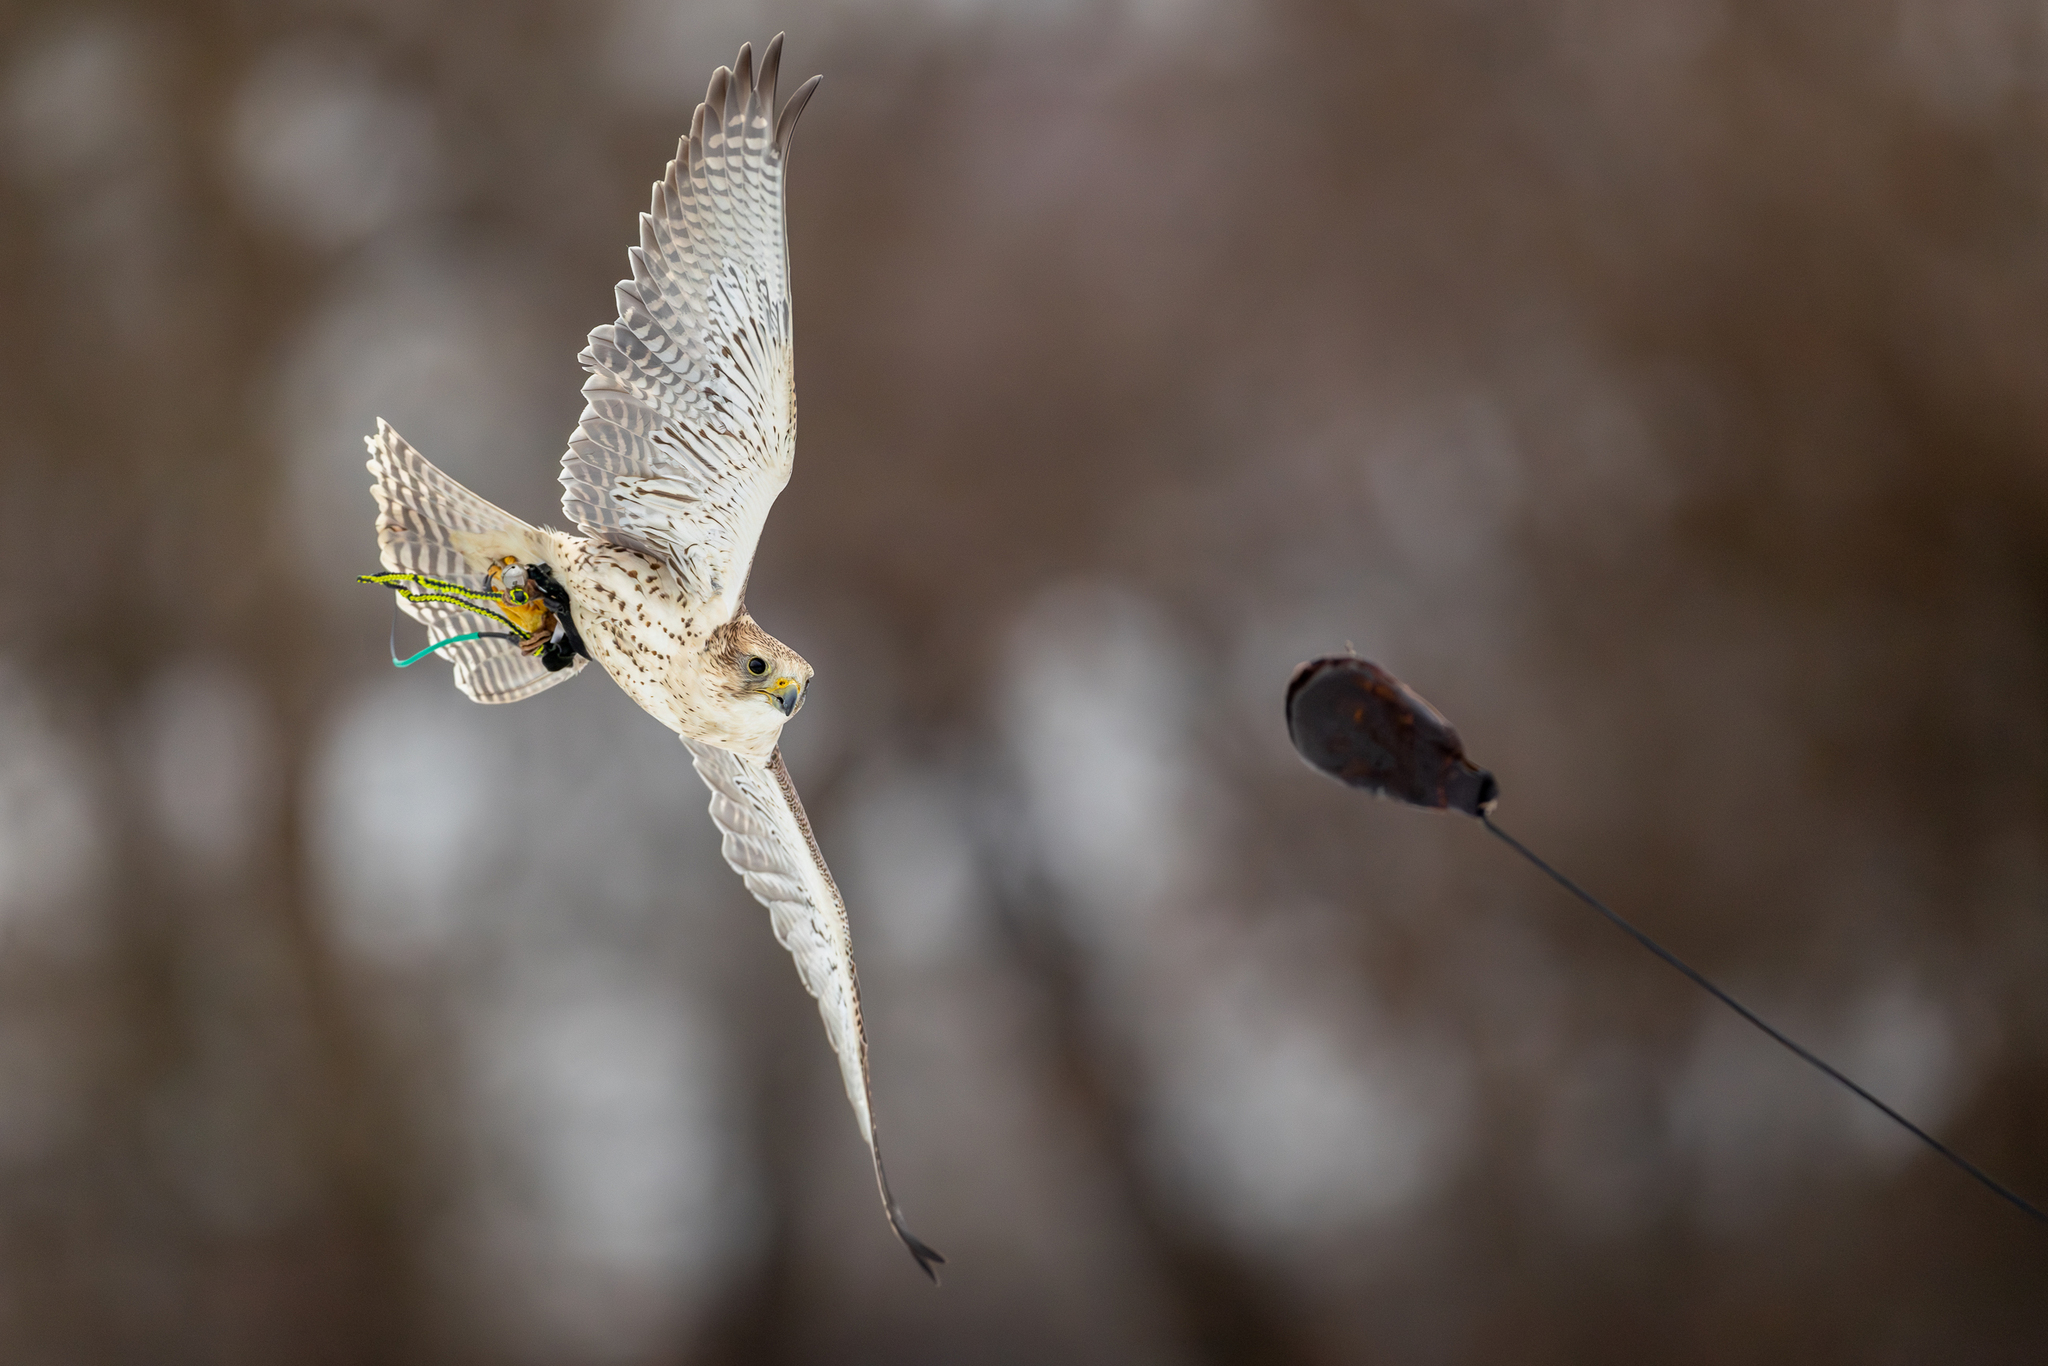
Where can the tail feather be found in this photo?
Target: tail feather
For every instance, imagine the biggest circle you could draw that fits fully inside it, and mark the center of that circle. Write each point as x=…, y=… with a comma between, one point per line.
x=429, y=524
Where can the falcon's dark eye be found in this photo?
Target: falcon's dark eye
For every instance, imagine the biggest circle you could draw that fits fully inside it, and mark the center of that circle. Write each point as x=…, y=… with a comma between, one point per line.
x=757, y=666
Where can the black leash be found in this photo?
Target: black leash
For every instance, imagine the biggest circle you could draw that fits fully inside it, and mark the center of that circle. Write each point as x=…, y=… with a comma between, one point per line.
x=1700, y=979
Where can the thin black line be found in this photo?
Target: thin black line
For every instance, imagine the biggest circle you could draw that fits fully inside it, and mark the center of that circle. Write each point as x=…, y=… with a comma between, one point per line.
x=1746, y=1013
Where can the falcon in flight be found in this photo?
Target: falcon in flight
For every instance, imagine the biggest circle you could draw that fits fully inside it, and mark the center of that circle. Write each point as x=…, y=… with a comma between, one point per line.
x=688, y=432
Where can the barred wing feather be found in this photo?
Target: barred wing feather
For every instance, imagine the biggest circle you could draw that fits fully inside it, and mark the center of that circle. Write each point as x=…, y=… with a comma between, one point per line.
x=688, y=431
x=419, y=509
x=768, y=842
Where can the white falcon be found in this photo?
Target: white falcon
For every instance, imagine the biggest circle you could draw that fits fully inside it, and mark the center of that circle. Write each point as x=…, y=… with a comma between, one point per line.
x=688, y=433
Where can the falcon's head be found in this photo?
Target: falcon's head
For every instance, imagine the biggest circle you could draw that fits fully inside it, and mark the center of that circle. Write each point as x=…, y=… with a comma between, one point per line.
x=756, y=669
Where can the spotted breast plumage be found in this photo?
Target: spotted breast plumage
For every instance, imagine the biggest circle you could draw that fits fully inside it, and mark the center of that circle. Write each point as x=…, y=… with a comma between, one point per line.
x=687, y=435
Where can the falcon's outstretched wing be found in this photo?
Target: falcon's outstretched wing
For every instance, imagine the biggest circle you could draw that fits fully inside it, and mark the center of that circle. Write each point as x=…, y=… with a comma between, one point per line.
x=420, y=513
x=689, y=428
x=768, y=842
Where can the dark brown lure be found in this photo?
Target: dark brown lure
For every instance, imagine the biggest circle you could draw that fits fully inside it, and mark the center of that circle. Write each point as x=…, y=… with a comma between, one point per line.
x=1363, y=726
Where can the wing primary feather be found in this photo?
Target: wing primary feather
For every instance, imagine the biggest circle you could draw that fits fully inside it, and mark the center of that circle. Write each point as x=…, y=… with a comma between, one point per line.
x=785, y=122
x=771, y=63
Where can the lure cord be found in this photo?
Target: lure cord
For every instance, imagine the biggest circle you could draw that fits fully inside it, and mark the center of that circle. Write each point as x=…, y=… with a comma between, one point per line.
x=1746, y=1013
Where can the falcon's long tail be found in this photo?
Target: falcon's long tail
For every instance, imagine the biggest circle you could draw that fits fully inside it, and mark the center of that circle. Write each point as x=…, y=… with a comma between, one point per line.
x=430, y=525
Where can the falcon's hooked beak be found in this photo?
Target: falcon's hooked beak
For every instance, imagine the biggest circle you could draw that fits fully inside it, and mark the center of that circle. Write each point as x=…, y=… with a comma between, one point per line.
x=787, y=693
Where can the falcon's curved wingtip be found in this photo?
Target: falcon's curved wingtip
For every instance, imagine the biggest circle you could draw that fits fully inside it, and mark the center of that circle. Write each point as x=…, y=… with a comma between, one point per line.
x=927, y=1256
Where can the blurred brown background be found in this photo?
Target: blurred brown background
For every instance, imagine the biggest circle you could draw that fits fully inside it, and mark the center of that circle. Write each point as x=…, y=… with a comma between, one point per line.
x=1662, y=389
